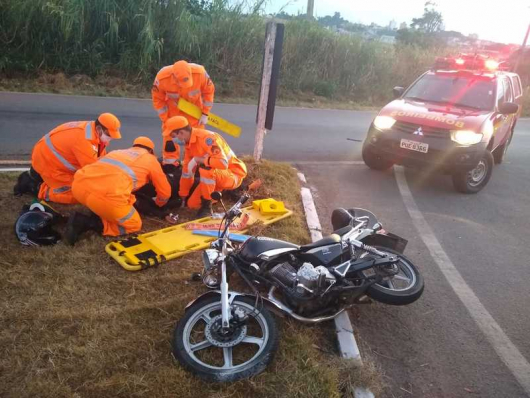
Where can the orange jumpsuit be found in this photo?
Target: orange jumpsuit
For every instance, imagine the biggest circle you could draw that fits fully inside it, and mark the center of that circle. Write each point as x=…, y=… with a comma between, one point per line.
x=166, y=93
x=60, y=153
x=221, y=170
x=106, y=187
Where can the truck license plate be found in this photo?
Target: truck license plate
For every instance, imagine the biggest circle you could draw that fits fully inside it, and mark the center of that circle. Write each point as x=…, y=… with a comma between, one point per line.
x=414, y=145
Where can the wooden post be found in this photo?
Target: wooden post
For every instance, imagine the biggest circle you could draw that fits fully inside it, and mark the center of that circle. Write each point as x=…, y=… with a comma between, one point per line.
x=270, y=38
x=523, y=47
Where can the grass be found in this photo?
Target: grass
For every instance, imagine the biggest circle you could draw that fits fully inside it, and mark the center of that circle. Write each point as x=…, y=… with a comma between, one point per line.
x=107, y=86
x=75, y=324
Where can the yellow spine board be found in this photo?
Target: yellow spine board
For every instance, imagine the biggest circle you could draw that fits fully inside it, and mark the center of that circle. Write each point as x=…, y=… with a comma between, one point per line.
x=153, y=248
x=213, y=120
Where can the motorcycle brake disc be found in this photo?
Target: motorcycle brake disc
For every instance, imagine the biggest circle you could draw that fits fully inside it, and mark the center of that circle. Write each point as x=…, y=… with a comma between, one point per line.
x=212, y=331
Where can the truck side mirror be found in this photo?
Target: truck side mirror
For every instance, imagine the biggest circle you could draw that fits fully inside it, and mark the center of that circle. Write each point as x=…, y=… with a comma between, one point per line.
x=508, y=108
x=398, y=91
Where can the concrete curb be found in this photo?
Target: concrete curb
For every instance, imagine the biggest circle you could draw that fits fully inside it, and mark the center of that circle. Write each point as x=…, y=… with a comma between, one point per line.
x=347, y=345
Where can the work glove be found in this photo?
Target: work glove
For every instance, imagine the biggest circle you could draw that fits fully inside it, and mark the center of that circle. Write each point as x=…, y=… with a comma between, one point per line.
x=203, y=120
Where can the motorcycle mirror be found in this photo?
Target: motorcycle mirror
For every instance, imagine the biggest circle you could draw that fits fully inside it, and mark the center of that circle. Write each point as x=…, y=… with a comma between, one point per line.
x=217, y=196
x=377, y=226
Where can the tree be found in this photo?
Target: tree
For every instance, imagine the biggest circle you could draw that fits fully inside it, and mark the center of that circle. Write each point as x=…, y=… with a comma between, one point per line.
x=431, y=21
x=335, y=20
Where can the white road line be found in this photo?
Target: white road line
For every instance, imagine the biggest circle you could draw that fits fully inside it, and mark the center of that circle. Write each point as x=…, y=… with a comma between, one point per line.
x=17, y=162
x=502, y=344
x=10, y=169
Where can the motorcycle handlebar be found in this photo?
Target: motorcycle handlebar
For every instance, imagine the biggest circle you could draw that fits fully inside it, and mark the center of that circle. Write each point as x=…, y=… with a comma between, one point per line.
x=234, y=210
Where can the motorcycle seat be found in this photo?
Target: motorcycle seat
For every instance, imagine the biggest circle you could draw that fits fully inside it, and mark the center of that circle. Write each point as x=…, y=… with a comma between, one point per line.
x=328, y=240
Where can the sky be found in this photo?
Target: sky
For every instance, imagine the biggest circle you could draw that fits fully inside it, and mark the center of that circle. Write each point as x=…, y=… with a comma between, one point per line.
x=503, y=21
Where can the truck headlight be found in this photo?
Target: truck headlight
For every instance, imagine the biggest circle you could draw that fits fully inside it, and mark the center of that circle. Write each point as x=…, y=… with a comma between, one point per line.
x=384, y=122
x=466, y=137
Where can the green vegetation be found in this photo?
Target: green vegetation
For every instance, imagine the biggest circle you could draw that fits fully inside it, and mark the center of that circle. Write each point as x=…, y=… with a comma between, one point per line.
x=75, y=324
x=133, y=39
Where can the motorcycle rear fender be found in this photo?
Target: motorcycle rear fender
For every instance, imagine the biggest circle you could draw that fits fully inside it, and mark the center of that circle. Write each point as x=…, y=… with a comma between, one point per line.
x=388, y=240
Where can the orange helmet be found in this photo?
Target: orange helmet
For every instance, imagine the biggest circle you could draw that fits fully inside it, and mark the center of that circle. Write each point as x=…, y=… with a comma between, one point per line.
x=111, y=123
x=182, y=71
x=144, y=141
x=175, y=123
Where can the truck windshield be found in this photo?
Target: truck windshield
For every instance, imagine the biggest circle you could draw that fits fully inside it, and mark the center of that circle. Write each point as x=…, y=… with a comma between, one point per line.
x=465, y=91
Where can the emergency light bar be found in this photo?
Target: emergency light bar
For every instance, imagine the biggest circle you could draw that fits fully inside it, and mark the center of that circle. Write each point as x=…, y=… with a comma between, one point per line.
x=467, y=62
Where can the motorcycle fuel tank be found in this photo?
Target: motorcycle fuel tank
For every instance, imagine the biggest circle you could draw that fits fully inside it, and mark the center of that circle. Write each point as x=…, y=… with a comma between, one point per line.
x=256, y=246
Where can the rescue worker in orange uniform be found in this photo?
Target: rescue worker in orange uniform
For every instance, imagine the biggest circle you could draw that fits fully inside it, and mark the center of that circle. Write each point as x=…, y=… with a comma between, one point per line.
x=218, y=167
x=107, y=188
x=181, y=80
x=63, y=151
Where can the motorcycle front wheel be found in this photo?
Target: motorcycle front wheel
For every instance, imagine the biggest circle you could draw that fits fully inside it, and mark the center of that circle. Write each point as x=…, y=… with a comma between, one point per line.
x=405, y=287
x=203, y=348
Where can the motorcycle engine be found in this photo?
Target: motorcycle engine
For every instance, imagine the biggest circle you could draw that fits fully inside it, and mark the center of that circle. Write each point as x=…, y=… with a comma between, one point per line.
x=308, y=280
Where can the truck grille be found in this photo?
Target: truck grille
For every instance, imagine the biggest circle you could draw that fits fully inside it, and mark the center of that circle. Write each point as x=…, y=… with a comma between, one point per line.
x=428, y=131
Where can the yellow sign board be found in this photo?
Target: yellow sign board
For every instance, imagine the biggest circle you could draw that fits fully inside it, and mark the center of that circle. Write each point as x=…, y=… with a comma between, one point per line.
x=213, y=120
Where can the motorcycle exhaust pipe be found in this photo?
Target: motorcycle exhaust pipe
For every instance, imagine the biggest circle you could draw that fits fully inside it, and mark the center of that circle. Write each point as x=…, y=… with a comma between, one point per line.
x=291, y=313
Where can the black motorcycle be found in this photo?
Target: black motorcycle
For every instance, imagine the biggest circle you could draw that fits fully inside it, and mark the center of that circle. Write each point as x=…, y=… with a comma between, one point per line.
x=225, y=335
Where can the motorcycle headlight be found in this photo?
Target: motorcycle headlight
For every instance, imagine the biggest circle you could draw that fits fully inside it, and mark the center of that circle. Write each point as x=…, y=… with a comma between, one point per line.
x=384, y=122
x=466, y=137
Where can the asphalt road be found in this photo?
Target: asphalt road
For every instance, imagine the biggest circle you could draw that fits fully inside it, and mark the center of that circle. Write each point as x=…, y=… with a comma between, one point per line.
x=297, y=133
x=432, y=348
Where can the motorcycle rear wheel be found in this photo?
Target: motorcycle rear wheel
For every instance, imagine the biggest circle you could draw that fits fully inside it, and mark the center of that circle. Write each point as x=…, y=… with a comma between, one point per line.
x=215, y=357
x=401, y=289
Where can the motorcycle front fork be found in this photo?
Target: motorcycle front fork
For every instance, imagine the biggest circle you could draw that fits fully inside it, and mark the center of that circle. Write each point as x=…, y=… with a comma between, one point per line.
x=225, y=304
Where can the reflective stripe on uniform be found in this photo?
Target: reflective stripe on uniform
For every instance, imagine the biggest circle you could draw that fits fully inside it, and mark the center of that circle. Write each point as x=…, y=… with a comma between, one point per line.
x=207, y=103
x=126, y=217
x=47, y=195
x=162, y=110
x=62, y=189
x=121, y=230
x=194, y=92
x=66, y=164
x=88, y=131
x=173, y=95
x=187, y=175
x=122, y=166
x=169, y=161
x=225, y=162
x=207, y=181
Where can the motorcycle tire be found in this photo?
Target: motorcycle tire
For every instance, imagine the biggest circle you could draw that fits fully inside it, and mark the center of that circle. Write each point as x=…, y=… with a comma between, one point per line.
x=185, y=354
x=388, y=295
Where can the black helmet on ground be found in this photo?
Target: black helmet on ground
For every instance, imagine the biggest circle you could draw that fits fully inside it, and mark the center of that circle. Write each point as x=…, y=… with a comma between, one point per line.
x=34, y=228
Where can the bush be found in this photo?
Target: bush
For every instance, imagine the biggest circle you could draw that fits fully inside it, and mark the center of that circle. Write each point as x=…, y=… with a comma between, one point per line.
x=135, y=38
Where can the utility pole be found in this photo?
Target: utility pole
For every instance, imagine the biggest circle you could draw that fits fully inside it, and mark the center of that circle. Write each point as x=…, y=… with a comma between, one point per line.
x=310, y=8
x=523, y=47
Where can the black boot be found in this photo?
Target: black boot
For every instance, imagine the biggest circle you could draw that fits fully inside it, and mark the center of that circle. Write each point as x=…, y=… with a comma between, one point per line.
x=26, y=184
x=206, y=208
x=78, y=223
